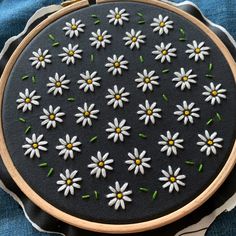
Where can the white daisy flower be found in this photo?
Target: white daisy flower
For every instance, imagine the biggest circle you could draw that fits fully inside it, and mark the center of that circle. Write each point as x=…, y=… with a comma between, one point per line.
x=119, y=195
x=134, y=39
x=209, y=142
x=164, y=53
x=89, y=81
x=162, y=24
x=118, y=130
x=86, y=114
x=170, y=143
x=40, y=58
x=69, y=182
x=147, y=80
x=187, y=112
x=68, y=146
x=214, y=93
x=70, y=53
x=34, y=145
x=57, y=84
x=138, y=161
x=117, y=97
x=197, y=51
x=184, y=79
x=27, y=100
x=73, y=28
x=100, y=39
x=51, y=117
x=100, y=165
x=118, y=16
x=173, y=179
x=149, y=112
x=116, y=64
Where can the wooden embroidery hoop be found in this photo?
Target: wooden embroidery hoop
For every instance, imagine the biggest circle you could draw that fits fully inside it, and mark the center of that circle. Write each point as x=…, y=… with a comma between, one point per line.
x=100, y=227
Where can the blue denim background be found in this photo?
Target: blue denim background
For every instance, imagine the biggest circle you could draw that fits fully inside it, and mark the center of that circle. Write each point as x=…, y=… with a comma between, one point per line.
x=13, y=17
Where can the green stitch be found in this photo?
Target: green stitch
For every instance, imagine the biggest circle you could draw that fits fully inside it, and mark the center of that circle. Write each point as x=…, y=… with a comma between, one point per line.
x=51, y=37
x=86, y=196
x=22, y=120
x=96, y=194
x=190, y=163
x=143, y=190
x=27, y=130
x=34, y=79
x=209, y=76
x=93, y=139
x=71, y=99
x=141, y=59
x=141, y=22
x=165, y=71
x=154, y=195
x=97, y=22
x=210, y=67
x=140, y=14
x=200, y=168
x=50, y=172
x=165, y=97
x=209, y=121
x=182, y=39
x=218, y=116
x=94, y=16
x=142, y=135
x=24, y=77
x=43, y=164
x=55, y=44
x=92, y=57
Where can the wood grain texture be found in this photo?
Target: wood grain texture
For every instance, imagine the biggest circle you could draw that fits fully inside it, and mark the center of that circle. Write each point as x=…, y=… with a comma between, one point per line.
x=99, y=227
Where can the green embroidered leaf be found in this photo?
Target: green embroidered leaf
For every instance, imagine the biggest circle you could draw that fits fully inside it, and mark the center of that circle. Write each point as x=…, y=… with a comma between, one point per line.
x=24, y=77
x=22, y=120
x=165, y=71
x=141, y=22
x=51, y=37
x=86, y=196
x=141, y=59
x=96, y=194
x=143, y=190
x=154, y=195
x=97, y=22
x=50, y=172
x=210, y=121
x=200, y=167
x=43, y=164
x=190, y=162
x=209, y=76
x=140, y=14
x=142, y=135
x=210, y=67
x=27, y=130
x=55, y=44
x=165, y=97
x=218, y=116
x=34, y=79
x=93, y=139
x=71, y=99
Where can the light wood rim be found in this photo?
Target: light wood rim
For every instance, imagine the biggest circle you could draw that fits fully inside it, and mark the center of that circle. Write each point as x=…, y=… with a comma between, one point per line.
x=99, y=227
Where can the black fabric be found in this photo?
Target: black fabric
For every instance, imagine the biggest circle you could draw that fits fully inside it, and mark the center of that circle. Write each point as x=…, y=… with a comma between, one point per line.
x=166, y=228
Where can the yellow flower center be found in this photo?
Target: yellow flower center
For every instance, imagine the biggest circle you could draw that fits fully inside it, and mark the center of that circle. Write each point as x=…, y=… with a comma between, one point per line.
x=69, y=182
x=117, y=16
x=52, y=116
x=162, y=24
x=118, y=130
x=197, y=50
x=117, y=64
x=210, y=142
x=41, y=58
x=134, y=39
x=74, y=27
x=214, y=93
x=69, y=146
x=171, y=142
x=58, y=84
x=147, y=80
x=138, y=162
x=117, y=97
x=71, y=53
x=86, y=113
x=149, y=112
x=172, y=179
x=100, y=38
x=185, y=78
x=101, y=164
x=119, y=195
x=35, y=145
x=27, y=100
x=186, y=112
x=89, y=81
x=164, y=52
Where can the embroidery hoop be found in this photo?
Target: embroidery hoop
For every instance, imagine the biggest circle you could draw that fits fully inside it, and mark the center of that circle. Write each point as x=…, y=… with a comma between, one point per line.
x=99, y=227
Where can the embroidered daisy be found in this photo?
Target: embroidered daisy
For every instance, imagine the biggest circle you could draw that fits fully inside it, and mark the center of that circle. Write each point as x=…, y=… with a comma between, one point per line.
x=184, y=79
x=73, y=28
x=100, y=165
x=149, y=112
x=51, y=117
x=68, y=146
x=34, y=145
x=170, y=143
x=134, y=39
x=173, y=179
x=116, y=64
x=69, y=182
x=89, y=81
x=70, y=53
x=118, y=130
x=100, y=39
x=138, y=161
x=162, y=24
x=209, y=142
x=40, y=58
x=57, y=84
x=197, y=51
x=27, y=100
x=86, y=114
x=164, y=53
x=214, y=93
x=147, y=80
x=187, y=112
x=119, y=195
x=117, y=97
x=118, y=16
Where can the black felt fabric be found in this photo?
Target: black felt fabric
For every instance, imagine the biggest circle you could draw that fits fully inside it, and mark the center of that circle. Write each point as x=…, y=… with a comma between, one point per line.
x=142, y=207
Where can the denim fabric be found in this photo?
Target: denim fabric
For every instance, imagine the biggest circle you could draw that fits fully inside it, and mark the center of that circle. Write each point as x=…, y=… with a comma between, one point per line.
x=13, y=17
